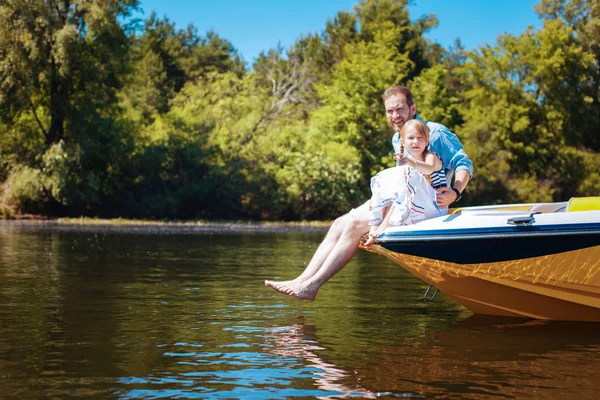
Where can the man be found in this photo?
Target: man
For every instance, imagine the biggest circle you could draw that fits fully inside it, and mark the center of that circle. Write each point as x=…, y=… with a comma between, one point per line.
x=343, y=238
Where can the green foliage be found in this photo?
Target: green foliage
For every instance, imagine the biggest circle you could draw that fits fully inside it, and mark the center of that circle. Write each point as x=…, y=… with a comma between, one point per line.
x=590, y=184
x=24, y=189
x=434, y=99
x=53, y=183
x=96, y=119
x=6, y=212
x=57, y=166
x=317, y=187
x=352, y=111
x=523, y=100
x=583, y=19
x=57, y=58
x=338, y=33
x=378, y=15
x=169, y=177
x=164, y=59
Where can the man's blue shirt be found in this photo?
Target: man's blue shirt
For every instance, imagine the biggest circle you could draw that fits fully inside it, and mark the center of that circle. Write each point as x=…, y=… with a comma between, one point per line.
x=446, y=145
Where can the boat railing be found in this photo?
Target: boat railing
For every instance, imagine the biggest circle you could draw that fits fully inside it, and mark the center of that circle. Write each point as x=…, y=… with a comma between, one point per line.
x=492, y=213
x=514, y=209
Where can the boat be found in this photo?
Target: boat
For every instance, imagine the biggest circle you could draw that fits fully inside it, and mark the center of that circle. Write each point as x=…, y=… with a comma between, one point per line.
x=538, y=260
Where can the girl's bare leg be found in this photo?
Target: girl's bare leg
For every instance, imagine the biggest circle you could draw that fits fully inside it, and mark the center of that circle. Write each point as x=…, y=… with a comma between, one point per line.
x=386, y=222
x=377, y=229
x=373, y=232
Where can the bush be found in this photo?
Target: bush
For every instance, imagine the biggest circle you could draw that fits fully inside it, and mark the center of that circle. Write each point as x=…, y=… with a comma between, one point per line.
x=24, y=190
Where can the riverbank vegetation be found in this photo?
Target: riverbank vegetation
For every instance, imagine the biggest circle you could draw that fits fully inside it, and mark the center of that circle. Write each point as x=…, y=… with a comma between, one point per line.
x=104, y=115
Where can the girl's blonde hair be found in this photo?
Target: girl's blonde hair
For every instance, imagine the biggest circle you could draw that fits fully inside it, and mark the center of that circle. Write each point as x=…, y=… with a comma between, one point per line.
x=419, y=126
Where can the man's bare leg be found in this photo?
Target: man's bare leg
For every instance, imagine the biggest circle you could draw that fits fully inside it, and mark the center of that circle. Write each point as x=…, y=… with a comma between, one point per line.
x=326, y=246
x=317, y=260
x=337, y=258
x=330, y=240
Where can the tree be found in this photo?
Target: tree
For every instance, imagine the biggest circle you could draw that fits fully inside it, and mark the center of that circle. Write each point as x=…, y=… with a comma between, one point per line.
x=436, y=102
x=60, y=68
x=50, y=53
x=340, y=32
x=583, y=17
x=164, y=59
x=518, y=126
x=208, y=54
x=375, y=14
x=352, y=111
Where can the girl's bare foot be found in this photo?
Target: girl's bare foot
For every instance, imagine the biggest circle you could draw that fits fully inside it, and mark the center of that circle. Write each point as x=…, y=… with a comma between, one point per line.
x=371, y=240
x=295, y=289
x=373, y=232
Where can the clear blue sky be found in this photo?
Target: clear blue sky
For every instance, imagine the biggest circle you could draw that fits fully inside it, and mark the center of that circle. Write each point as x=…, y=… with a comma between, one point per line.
x=253, y=26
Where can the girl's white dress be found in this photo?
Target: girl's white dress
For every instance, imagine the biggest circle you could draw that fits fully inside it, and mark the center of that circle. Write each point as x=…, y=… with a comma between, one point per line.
x=408, y=191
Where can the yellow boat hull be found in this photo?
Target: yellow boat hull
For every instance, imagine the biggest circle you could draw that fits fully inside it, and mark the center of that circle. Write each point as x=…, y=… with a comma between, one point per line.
x=563, y=286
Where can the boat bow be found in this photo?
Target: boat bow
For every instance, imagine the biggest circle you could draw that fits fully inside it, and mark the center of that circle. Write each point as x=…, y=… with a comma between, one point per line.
x=510, y=261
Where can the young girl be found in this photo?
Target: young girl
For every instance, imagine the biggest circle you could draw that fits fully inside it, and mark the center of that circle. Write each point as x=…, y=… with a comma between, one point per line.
x=403, y=195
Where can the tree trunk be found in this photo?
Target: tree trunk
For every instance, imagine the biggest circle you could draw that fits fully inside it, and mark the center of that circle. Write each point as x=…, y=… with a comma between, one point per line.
x=56, y=131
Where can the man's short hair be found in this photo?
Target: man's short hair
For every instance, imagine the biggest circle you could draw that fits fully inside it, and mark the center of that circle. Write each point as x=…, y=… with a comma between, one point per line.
x=398, y=90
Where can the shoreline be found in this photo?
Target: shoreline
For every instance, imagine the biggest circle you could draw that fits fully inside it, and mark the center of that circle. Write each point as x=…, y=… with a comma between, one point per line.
x=30, y=223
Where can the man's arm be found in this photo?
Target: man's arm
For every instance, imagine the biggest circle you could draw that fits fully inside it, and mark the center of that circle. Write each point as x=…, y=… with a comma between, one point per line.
x=461, y=179
x=448, y=146
x=446, y=196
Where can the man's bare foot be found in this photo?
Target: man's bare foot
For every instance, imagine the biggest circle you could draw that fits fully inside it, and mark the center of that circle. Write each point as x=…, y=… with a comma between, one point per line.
x=297, y=290
x=275, y=284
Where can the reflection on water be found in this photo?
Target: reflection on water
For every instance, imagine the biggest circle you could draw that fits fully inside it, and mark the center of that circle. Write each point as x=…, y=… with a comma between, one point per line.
x=156, y=314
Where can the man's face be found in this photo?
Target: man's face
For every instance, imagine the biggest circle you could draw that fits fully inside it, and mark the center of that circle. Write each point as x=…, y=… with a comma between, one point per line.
x=398, y=112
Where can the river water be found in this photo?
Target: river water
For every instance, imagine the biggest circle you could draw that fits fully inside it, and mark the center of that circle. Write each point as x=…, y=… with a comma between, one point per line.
x=181, y=312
